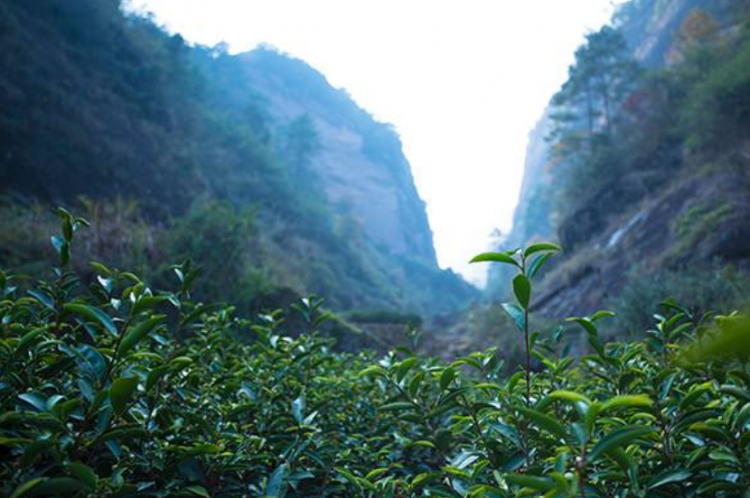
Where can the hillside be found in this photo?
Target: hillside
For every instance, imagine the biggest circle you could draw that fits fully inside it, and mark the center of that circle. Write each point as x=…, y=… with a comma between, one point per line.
x=647, y=187
x=251, y=164
x=360, y=164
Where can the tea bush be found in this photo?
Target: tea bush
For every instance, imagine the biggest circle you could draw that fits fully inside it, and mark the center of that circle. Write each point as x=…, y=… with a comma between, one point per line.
x=114, y=389
x=699, y=288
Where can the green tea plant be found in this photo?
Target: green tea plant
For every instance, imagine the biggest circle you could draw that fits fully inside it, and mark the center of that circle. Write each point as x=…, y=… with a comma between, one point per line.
x=109, y=388
x=98, y=396
x=519, y=311
x=527, y=269
x=643, y=419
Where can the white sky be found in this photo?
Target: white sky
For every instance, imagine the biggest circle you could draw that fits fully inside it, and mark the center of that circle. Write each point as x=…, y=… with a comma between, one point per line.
x=463, y=81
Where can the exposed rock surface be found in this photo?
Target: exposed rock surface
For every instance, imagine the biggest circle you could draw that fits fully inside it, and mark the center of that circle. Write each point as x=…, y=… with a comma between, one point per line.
x=601, y=250
x=361, y=164
x=699, y=219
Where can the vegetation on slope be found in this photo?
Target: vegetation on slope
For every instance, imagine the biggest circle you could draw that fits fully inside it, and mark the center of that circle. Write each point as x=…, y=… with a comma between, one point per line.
x=104, y=112
x=648, y=168
x=616, y=126
x=110, y=388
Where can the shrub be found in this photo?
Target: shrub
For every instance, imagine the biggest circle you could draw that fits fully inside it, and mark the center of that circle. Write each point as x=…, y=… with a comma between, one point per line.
x=115, y=389
x=702, y=290
x=384, y=316
x=221, y=238
x=98, y=398
x=718, y=109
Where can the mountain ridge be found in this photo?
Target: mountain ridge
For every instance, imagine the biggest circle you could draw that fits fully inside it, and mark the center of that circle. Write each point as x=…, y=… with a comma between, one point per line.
x=361, y=163
x=110, y=112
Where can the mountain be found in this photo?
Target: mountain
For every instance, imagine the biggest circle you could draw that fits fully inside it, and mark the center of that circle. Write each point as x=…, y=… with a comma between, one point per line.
x=361, y=164
x=647, y=191
x=253, y=165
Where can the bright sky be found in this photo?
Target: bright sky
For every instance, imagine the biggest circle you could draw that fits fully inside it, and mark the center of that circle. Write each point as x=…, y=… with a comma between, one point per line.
x=463, y=81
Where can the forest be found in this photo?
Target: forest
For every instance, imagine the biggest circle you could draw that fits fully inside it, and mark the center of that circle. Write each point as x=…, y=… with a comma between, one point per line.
x=204, y=293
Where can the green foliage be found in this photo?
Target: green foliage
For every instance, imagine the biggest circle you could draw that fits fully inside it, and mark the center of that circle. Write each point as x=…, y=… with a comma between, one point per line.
x=300, y=141
x=587, y=123
x=174, y=148
x=256, y=260
x=654, y=127
x=384, y=316
x=718, y=104
x=699, y=222
x=116, y=389
x=223, y=239
x=702, y=289
x=99, y=398
x=603, y=74
x=527, y=267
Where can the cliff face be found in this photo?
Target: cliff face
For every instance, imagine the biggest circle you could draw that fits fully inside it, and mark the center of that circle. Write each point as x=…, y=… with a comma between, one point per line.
x=360, y=162
x=649, y=27
x=693, y=218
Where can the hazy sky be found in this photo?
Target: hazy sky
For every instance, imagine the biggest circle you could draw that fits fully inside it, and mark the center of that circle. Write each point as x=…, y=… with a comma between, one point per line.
x=463, y=81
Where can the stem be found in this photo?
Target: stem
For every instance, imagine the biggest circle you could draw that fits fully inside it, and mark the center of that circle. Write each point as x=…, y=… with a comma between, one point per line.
x=324, y=482
x=665, y=430
x=582, y=484
x=528, y=368
x=478, y=429
x=581, y=467
x=528, y=387
x=84, y=426
x=528, y=359
x=113, y=360
x=152, y=404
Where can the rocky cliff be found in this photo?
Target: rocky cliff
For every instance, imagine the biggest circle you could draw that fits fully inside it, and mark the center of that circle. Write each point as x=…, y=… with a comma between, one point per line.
x=695, y=216
x=360, y=162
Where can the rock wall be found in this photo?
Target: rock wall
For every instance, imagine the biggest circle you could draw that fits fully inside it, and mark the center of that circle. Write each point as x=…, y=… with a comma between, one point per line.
x=361, y=164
